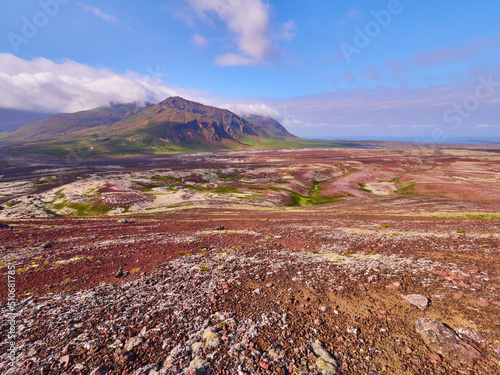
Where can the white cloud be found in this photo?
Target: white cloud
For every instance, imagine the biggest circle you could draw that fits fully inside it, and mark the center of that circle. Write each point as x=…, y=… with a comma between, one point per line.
x=424, y=126
x=99, y=13
x=252, y=109
x=233, y=59
x=248, y=20
x=43, y=85
x=47, y=86
x=294, y=123
x=199, y=40
x=349, y=125
x=487, y=126
x=287, y=31
x=412, y=126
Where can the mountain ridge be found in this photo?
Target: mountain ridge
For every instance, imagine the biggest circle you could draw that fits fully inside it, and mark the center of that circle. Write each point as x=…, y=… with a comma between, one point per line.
x=173, y=125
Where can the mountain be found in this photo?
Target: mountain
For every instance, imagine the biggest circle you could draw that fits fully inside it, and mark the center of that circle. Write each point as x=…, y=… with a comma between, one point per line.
x=11, y=119
x=61, y=124
x=270, y=126
x=174, y=125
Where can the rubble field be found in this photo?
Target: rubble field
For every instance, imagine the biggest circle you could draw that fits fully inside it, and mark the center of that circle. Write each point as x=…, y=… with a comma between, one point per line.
x=335, y=261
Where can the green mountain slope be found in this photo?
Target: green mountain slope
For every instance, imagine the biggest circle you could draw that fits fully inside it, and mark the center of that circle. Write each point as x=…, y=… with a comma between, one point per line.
x=174, y=125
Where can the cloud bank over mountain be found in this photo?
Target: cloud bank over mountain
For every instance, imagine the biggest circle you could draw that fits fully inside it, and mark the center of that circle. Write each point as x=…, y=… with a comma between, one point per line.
x=437, y=112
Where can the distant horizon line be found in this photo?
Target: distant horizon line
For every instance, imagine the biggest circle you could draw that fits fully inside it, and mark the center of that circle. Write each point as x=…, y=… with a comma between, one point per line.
x=466, y=140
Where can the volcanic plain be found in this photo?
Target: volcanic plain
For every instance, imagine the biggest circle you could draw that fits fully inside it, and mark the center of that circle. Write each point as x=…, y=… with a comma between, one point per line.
x=296, y=261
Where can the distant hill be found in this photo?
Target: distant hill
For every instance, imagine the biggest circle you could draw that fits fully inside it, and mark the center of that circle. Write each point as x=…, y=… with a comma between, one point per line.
x=270, y=126
x=174, y=125
x=11, y=119
x=62, y=124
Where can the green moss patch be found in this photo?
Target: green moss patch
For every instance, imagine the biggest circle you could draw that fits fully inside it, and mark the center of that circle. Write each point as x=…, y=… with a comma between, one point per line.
x=90, y=208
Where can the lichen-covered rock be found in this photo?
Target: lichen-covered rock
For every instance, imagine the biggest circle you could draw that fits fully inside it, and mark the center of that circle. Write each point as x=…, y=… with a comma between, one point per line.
x=147, y=370
x=325, y=363
x=471, y=333
x=446, y=342
x=211, y=337
x=197, y=366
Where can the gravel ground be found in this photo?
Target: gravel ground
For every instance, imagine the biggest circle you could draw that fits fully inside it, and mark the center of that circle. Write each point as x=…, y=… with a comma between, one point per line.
x=270, y=305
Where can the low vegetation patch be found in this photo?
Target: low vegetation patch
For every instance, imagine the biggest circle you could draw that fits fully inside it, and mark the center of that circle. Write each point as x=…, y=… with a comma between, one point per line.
x=362, y=187
x=90, y=208
x=406, y=190
x=483, y=216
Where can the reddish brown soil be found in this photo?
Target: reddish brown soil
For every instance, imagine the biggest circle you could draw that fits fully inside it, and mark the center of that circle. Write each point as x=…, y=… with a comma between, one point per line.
x=424, y=243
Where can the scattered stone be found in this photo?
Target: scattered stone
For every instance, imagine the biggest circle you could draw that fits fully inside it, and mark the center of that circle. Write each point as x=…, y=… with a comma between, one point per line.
x=196, y=346
x=100, y=370
x=219, y=227
x=439, y=297
x=482, y=302
x=132, y=343
x=78, y=367
x=119, y=273
x=372, y=278
x=3, y=225
x=147, y=370
x=265, y=365
x=211, y=338
x=352, y=330
x=394, y=286
x=169, y=313
x=45, y=246
x=68, y=349
x=416, y=300
x=123, y=221
x=273, y=354
x=446, y=342
x=197, y=366
x=89, y=345
x=434, y=357
x=325, y=363
x=144, y=331
x=67, y=359
x=458, y=295
x=471, y=333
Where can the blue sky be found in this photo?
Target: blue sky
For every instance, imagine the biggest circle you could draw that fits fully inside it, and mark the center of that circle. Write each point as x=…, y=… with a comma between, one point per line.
x=326, y=69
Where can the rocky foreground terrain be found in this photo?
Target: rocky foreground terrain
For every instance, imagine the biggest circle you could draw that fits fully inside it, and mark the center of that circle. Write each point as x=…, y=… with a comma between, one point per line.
x=395, y=282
